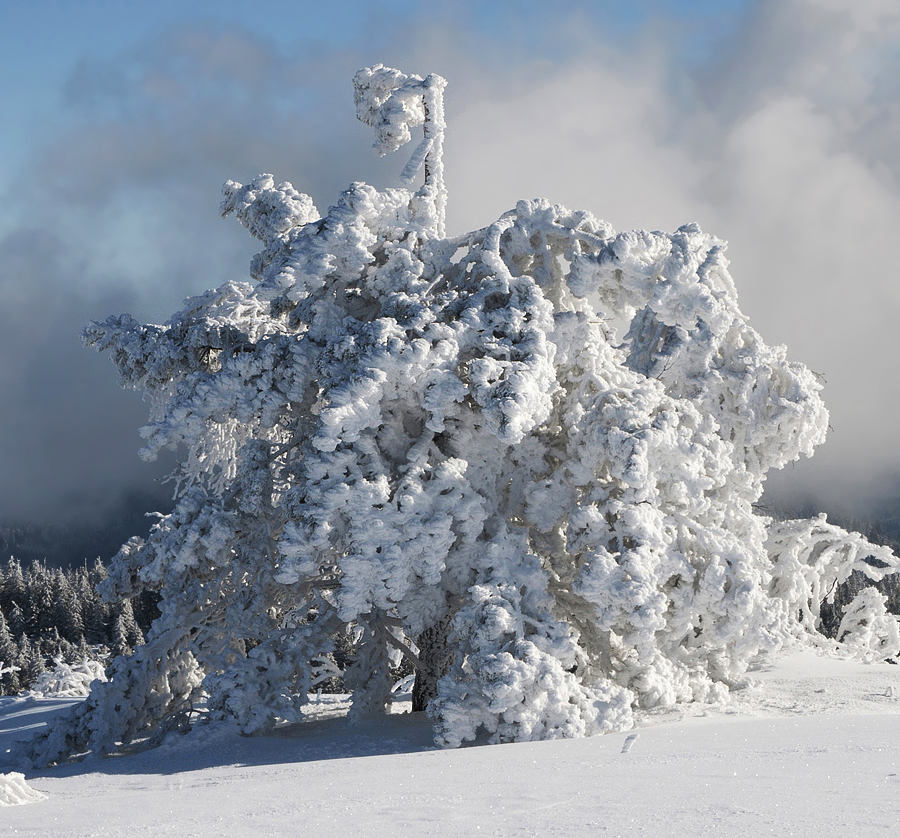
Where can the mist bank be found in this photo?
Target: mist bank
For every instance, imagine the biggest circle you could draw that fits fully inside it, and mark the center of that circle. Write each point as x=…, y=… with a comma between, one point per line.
x=73, y=540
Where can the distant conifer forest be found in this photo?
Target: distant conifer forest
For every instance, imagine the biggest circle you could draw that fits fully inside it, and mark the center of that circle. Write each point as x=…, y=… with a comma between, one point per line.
x=49, y=613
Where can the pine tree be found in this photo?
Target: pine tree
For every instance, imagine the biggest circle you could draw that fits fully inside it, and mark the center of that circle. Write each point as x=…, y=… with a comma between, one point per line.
x=16, y=621
x=126, y=634
x=40, y=583
x=89, y=604
x=13, y=590
x=97, y=615
x=66, y=610
x=9, y=661
x=31, y=661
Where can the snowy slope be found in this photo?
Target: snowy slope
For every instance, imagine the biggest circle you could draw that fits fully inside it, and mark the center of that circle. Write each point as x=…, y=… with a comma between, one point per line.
x=813, y=748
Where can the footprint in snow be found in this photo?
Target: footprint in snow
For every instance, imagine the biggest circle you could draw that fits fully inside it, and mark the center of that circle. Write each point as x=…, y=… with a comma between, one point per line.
x=629, y=741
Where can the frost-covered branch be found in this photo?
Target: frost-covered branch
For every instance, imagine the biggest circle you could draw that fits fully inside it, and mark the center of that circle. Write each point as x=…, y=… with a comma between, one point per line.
x=810, y=559
x=392, y=102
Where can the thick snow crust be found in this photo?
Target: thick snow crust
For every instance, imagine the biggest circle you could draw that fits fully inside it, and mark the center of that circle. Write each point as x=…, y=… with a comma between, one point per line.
x=812, y=747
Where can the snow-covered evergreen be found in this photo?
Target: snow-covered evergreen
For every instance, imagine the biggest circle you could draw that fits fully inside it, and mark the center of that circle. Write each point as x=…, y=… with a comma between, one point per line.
x=445, y=442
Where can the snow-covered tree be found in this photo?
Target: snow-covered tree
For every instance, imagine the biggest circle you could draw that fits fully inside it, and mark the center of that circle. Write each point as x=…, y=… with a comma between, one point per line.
x=445, y=442
x=9, y=655
x=126, y=633
x=30, y=661
x=13, y=588
x=66, y=614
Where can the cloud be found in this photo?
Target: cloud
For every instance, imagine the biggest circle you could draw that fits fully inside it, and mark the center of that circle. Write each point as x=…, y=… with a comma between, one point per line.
x=117, y=211
x=781, y=137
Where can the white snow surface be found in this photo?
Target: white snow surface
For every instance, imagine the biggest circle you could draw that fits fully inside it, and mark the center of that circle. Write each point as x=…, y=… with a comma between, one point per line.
x=811, y=747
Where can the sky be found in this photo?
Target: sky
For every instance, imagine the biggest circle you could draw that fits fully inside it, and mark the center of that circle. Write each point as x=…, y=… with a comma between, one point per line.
x=774, y=125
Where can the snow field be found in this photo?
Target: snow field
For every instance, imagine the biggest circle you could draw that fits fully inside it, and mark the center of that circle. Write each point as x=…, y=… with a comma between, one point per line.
x=812, y=748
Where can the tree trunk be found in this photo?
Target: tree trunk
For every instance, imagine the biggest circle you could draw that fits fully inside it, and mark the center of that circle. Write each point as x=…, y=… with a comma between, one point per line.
x=435, y=657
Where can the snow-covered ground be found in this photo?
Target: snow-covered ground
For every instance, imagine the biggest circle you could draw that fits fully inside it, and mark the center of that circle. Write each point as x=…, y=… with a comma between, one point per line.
x=813, y=748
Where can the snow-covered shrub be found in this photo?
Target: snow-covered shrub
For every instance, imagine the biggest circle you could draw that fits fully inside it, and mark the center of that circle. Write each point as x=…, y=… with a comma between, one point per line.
x=445, y=442
x=867, y=629
x=69, y=680
x=14, y=791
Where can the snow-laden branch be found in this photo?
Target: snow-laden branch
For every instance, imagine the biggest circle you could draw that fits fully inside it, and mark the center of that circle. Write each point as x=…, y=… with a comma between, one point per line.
x=392, y=102
x=810, y=559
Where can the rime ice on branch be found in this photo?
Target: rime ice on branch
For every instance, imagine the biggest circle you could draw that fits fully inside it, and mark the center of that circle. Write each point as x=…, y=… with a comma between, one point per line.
x=392, y=103
x=444, y=442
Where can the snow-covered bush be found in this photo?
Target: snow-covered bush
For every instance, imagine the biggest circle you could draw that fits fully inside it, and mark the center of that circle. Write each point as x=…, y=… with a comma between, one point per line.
x=444, y=441
x=69, y=680
x=14, y=791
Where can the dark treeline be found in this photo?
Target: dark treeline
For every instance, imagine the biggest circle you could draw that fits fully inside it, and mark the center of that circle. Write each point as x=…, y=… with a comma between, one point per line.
x=67, y=540
x=48, y=612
